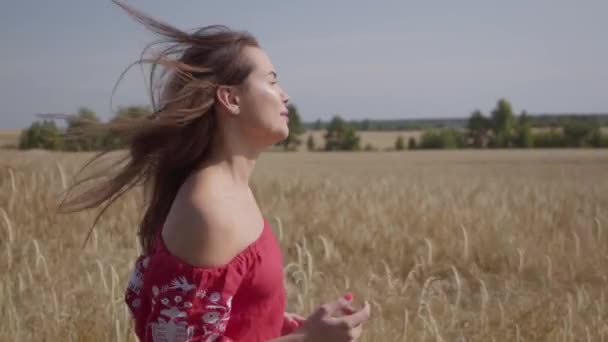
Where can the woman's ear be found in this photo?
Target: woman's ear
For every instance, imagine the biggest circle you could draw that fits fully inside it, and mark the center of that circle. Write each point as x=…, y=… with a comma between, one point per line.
x=228, y=97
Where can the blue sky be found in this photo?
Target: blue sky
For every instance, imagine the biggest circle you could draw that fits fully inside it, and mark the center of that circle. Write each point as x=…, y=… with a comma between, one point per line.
x=382, y=59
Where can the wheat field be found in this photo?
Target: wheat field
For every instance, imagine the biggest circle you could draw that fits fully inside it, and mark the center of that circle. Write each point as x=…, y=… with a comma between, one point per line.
x=447, y=246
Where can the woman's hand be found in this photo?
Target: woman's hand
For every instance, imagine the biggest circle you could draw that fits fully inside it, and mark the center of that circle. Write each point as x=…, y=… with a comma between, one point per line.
x=336, y=321
x=291, y=322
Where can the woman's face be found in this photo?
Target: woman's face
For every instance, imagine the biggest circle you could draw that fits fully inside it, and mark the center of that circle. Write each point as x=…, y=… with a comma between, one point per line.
x=262, y=103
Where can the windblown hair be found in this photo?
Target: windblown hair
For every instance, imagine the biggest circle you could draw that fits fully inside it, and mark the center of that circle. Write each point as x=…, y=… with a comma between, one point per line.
x=171, y=141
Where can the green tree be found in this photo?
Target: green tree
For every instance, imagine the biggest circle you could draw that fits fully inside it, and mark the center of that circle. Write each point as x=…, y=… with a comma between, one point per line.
x=295, y=129
x=399, y=144
x=479, y=128
x=81, y=134
x=30, y=137
x=132, y=112
x=549, y=139
x=524, y=137
x=44, y=135
x=111, y=140
x=411, y=143
x=598, y=139
x=341, y=136
x=503, y=123
x=310, y=143
x=447, y=138
x=578, y=133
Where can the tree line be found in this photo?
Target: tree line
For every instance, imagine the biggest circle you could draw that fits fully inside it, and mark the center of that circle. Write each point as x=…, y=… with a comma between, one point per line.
x=537, y=120
x=80, y=133
x=501, y=128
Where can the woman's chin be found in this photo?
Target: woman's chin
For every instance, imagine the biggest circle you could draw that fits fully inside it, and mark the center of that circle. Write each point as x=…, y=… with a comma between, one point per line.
x=283, y=133
x=280, y=136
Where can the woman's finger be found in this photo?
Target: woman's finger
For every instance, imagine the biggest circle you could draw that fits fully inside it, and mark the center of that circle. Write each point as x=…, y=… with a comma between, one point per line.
x=358, y=317
x=296, y=317
x=356, y=331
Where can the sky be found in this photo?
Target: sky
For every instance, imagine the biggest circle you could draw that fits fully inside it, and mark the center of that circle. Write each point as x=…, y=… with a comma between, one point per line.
x=358, y=59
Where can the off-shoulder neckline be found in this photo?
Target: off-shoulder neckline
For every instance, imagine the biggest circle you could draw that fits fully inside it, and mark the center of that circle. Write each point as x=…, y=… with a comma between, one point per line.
x=249, y=249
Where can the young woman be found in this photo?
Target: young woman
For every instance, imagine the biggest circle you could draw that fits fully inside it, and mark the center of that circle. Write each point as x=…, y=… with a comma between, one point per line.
x=211, y=269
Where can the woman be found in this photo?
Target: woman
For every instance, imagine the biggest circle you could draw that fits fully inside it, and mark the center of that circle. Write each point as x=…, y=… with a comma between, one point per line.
x=211, y=269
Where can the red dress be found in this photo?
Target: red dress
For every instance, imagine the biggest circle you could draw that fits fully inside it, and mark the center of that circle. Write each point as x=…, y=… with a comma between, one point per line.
x=244, y=300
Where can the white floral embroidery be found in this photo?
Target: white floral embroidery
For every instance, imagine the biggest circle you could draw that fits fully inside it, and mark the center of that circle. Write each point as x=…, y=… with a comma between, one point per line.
x=172, y=323
x=214, y=337
x=173, y=313
x=215, y=297
x=182, y=284
x=171, y=331
x=134, y=286
x=136, y=280
x=174, y=328
x=211, y=317
x=215, y=320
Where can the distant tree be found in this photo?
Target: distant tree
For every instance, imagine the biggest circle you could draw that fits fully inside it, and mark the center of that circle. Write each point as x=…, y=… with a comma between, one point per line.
x=369, y=147
x=431, y=139
x=598, y=139
x=479, y=128
x=399, y=143
x=579, y=134
x=296, y=128
x=81, y=134
x=310, y=143
x=524, y=137
x=447, y=138
x=111, y=141
x=503, y=123
x=411, y=143
x=341, y=136
x=43, y=135
x=132, y=112
x=549, y=139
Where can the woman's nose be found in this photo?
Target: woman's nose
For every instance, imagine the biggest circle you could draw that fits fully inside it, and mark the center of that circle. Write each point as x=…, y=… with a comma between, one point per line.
x=284, y=96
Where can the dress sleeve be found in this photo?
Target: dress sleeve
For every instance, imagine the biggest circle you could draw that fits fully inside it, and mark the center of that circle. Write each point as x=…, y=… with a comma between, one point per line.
x=187, y=303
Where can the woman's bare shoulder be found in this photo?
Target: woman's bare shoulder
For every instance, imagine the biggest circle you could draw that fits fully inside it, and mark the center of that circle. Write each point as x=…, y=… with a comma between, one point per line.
x=206, y=231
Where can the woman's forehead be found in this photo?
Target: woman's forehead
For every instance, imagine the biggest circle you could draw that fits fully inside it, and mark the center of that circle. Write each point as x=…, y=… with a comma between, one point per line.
x=260, y=60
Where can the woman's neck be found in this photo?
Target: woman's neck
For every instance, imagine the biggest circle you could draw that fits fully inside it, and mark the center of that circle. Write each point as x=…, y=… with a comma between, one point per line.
x=233, y=156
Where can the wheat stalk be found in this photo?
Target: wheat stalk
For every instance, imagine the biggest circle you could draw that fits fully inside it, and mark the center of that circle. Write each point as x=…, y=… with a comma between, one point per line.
x=458, y=286
x=8, y=225
x=429, y=257
x=465, y=245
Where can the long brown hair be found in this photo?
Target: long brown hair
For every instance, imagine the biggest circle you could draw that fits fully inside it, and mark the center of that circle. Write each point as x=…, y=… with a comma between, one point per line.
x=169, y=143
